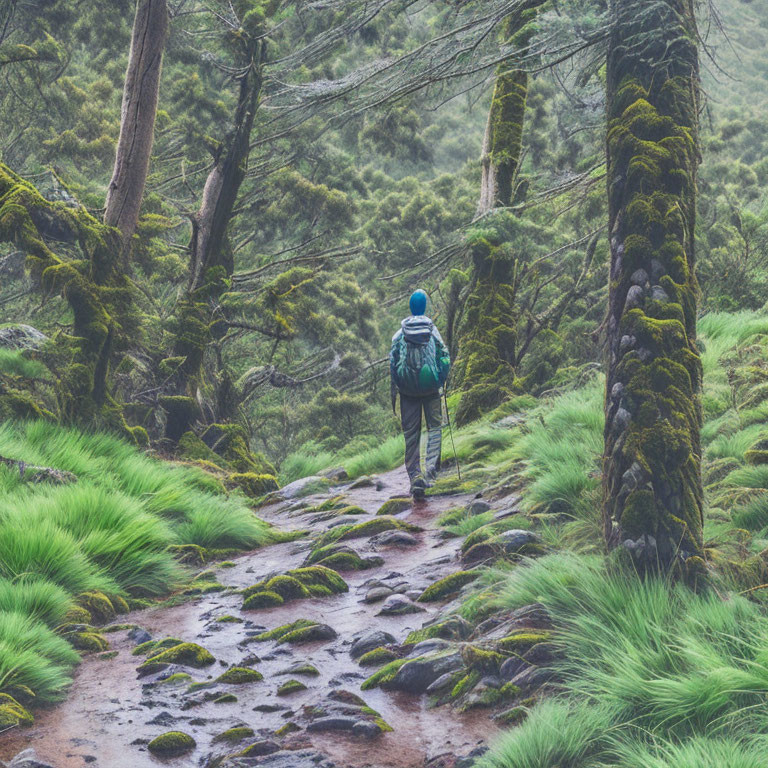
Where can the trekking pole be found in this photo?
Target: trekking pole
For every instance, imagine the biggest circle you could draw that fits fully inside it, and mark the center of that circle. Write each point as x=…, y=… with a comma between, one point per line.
x=450, y=431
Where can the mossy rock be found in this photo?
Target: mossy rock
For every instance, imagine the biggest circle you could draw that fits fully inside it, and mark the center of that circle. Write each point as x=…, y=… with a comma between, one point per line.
x=319, y=575
x=186, y=654
x=378, y=656
x=395, y=506
x=228, y=619
x=155, y=646
x=98, y=605
x=234, y=735
x=190, y=554
x=450, y=628
x=287, y=729
x=278, y=632
x=171, y=744
x=466, y=683
x=264, y=599
x=225, y=698
x=310, y=634
x=291, y=686
x=350, y=561
x=287, y=587
x=384, y=675
x=91, y=642
x=378, y=525
x=192, y=448
x=483, y=660
x=230, y=441
x=77, y=615
x=253, y=484
x=240, y=676
x=520, y=642
x=12, y=714
x=307, y=669
x=177, y=678
x=447, y=586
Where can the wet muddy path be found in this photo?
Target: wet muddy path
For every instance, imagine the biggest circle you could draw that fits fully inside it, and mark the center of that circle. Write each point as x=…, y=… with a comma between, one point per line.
x=111, y=714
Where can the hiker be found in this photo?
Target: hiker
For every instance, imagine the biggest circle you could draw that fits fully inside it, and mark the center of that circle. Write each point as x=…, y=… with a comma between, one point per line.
x=419, y=364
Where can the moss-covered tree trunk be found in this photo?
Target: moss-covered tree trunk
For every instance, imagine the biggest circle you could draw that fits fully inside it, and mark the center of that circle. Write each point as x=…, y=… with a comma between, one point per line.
x=485, y=370
x=137, y=125
x=198, y=321
x=653, y=492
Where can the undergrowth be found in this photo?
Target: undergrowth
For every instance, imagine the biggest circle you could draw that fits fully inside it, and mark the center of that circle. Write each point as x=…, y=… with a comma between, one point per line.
x=108, y=532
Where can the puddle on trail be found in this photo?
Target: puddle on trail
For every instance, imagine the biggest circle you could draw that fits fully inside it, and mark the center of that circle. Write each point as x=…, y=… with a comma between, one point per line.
x=109, y=709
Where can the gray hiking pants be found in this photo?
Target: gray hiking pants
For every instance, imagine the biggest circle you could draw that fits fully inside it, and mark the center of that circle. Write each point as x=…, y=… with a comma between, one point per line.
x=410, y=417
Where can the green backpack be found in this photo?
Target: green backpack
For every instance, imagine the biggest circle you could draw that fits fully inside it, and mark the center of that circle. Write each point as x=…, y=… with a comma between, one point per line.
x=420, y=368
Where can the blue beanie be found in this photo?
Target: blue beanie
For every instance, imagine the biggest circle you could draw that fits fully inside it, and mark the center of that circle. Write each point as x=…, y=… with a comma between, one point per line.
x=418, y=302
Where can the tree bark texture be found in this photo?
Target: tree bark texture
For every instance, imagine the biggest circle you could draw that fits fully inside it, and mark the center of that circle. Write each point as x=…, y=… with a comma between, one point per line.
x=653, y=496
x=137, y=125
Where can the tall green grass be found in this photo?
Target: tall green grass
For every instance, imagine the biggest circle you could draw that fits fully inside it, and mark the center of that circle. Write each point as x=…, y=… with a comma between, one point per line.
x=652, y=674
x=13, y=362
x=110, y=532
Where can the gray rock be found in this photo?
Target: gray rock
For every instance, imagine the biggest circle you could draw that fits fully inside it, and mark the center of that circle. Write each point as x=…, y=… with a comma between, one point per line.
x=659, y=294
x=285, y=758
x=263, y=747
x=369, y=642
x=417, y=675
x=478, y=507
x=429, y=646
x=511, y=667
x=366, y=729
x=395, y=539
x=294, y=489
x=28, y=759
x=639, y=277
x=21, y=336
x=399, y=605
x=635, y=296
x=532, y=678
x=364, y=482
x=442, y=683
x=332, y=724
x=138, y=635
x=376, y=594
x=413, y=594
x=335, y=474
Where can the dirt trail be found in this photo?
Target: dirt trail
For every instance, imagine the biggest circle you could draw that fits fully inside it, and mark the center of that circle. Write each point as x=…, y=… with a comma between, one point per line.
x=110, y=715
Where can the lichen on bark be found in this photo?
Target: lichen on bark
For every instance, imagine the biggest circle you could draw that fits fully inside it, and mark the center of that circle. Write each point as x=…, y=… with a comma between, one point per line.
x=653, y=493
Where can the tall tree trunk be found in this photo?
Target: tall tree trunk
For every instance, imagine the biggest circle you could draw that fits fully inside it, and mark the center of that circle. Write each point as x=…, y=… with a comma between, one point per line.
x=485, y=370
x=651, y=466
x=137, y=126
x=212, y=261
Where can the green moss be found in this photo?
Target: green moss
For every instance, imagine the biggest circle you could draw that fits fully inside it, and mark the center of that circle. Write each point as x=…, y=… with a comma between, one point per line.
x=225, y=698
x=348, y=561
x=171, y=743
x=291, y=686
x=175, y=679
x=395, y=506
x=187, y=654
x=307, y=634
x=98, y=605
x=522, y=641
x=319, y=575
x=365, y=529
x=89, y=641
x=287, y=729
x=377, y=656
x=191, y=554
x=263, y=599
x=253, y=484
x=310, y=670
x=234, y=735
x=12, y=713
x=466, y=683
x=451, y=628
x=384, y=675
x=448, y=586
x=229, y=620
x=240, y=676
x=77, y=615
x=278, y=632
x=482, y=659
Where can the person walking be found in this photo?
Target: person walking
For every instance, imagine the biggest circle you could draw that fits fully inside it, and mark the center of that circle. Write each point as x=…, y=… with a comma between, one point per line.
x=419, y=364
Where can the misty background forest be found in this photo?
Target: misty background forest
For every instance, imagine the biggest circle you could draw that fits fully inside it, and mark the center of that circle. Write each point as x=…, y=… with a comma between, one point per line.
x=212, y=216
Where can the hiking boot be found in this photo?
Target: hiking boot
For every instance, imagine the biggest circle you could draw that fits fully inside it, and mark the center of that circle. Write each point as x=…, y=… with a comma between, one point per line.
x=418, y=487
